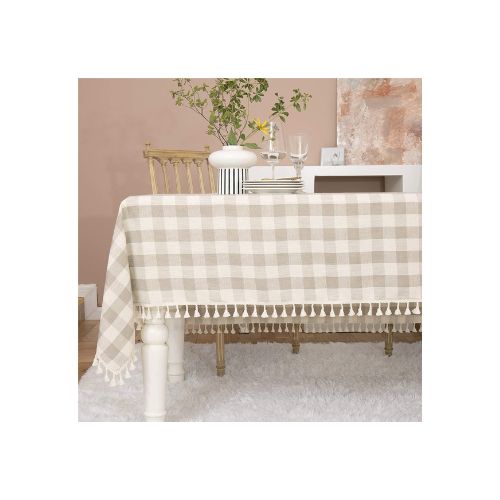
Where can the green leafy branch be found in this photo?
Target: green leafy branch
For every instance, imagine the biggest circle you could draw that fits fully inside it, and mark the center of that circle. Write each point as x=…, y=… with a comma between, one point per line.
x=225, y=106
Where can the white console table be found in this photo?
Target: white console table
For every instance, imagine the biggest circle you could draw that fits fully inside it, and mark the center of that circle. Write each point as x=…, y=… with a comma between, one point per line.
x=398, y=178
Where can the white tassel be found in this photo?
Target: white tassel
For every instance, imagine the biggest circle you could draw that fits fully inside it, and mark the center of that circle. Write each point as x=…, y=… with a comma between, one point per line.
x=177, y=313
x=397, y=312
x=269, y=327
x=351, y=311
x=158, y=316
x=407, y=330
x=148, y=313
x=386, y=329
x=257, y=327
x=226, y=313
x=322, y=313
x=236, y=314
x=360, y=311
x=207, y=314
x=388, y=311
x=143, y=314
x=413, y=328
x=274, y=314
x=369, y=313
x=264, y=313
x=332, y=312
x=341, y=313
x=313, y=312
x=416, y=310
x=113, y=381
x=294, y=313
x=120, y=379
x=106, y=376
x=127, y=373
x=167, y=312
x=232, y=329
x=245, y=312
x=216, y=313
x=303, y=312
x=379, y=311
x=254, y=314
x=283, y=313
x=186, y=314
x=407, y=312
x=196, y=312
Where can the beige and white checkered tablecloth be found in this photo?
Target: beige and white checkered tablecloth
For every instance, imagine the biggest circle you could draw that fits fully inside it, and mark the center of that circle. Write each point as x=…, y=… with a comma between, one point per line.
x=307, y=258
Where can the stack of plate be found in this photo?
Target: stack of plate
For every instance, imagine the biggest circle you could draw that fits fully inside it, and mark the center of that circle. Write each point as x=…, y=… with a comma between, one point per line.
x=283, y=185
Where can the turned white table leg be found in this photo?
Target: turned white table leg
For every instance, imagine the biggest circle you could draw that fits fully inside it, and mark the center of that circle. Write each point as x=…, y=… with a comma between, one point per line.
x=175, y=349
x=154, y=369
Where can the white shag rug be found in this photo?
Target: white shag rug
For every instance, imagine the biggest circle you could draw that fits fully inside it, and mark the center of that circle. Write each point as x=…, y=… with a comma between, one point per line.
x=266, y=382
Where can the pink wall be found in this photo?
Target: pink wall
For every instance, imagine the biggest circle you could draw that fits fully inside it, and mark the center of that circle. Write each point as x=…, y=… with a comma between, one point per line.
x=117, y=116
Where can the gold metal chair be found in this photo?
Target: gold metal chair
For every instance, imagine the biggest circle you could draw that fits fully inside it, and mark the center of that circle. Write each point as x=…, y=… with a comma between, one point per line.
x=183, y=164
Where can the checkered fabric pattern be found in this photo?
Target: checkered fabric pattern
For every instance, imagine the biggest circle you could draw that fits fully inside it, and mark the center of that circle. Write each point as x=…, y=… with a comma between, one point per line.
x=261, y=250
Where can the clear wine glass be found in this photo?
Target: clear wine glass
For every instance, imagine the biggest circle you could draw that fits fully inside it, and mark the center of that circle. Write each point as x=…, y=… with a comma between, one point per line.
x=298, y=147
x=275, y=149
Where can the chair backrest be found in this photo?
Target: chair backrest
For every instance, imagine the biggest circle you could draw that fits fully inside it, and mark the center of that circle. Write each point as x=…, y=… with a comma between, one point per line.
x=182, y=163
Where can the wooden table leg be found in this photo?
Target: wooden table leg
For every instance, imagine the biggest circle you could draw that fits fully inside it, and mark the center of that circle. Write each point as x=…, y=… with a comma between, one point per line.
x=175, y=349
x=219, y=353
x=154, y=368
x=388, y=342
x=295, y=339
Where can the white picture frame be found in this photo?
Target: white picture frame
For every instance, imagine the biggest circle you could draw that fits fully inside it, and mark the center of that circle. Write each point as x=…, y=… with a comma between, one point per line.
x=332, y=156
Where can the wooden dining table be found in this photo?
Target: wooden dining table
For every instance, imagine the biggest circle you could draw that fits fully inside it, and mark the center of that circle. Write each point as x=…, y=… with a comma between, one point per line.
x=209, y=262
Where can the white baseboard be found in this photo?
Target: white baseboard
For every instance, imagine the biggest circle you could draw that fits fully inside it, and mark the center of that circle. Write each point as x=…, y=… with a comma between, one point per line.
x=96, y=314
x=89, y=294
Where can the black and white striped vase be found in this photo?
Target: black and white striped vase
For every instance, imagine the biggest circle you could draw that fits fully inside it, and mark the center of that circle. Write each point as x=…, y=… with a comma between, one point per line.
x=233, y=163
x=231, y=180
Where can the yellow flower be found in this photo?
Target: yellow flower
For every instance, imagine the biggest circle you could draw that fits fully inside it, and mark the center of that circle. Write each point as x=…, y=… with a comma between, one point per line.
x=262, y=126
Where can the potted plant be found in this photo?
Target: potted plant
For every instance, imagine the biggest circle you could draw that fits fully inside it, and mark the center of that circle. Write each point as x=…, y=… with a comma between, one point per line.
x=225, y=106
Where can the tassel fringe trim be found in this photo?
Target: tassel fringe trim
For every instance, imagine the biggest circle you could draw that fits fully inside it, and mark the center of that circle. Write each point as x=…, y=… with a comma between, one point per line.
x=265, y=311
x=323, y=327
x=115, y=378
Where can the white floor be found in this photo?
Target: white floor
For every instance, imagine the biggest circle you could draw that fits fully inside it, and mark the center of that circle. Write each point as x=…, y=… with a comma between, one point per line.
x=266, y=382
